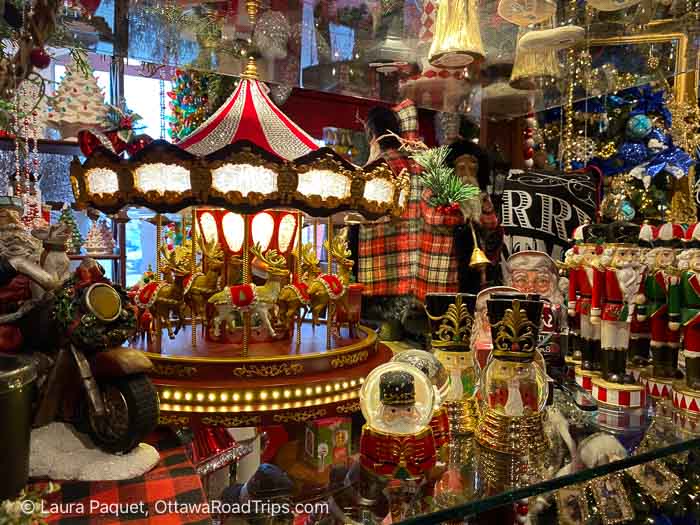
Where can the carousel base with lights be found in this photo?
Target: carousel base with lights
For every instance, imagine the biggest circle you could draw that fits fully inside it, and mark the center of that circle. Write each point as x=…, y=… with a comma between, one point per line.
x=284, y=381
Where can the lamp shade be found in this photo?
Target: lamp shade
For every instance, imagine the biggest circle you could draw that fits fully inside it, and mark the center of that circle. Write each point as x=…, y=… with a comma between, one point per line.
x=457, y=41
x=526, y=12
x=534, y=69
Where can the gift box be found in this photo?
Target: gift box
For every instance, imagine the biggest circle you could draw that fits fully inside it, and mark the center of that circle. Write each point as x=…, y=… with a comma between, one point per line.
x=327, y=442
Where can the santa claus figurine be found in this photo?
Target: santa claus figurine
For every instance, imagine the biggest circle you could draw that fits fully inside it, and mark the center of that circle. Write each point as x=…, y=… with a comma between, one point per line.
x=661, y=273
x=613, y=305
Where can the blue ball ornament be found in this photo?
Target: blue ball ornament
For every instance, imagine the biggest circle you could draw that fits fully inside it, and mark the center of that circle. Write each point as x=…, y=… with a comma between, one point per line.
x=639, y=126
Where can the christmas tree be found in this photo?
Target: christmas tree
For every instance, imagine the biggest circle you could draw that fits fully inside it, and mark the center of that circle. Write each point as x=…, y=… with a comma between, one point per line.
x=78, y=103
x=189, y=102
x=75, y=241
x=99, y=239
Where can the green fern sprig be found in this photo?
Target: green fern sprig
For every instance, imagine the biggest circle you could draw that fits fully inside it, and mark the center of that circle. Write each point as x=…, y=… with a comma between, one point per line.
x=446, y=187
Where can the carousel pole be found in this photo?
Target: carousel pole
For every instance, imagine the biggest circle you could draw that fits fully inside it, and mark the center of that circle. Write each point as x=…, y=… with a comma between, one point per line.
x=246, y=280
x=330, y=308
x=159, y=243
x=300, y=220
x=193, y=270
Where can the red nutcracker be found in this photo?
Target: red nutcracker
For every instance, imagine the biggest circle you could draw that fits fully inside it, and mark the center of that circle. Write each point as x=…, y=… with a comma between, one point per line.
x=582, y=279
x=640, y=329
x=612, y=304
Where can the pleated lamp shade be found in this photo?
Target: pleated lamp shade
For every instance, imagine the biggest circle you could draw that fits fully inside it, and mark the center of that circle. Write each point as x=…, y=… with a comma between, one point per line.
x=534, y=69
x=457, y=41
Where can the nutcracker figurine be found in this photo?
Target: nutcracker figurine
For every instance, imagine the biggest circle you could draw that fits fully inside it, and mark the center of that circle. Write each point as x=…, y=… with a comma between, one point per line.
x=513, y=390
x=397, y=443
x=684, y=314
x=451, y=318
x=654, y=306
x=572, y=267
x=536, y=272
x=640, y=329
x=585, y=272
x=613, y=308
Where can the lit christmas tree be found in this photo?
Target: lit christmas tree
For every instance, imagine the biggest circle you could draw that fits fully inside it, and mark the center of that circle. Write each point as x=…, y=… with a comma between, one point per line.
x=189, y=102
x=75, y=241
x=79, y=103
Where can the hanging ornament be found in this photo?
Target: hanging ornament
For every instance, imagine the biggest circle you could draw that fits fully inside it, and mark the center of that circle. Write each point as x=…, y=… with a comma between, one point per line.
x=633, y=153
x=526, y=12
x=89, y=6
x=639, y=126
x=457, y=40
x=528, y=133
x=272, y=32
x=39, y=58
x=534, y=69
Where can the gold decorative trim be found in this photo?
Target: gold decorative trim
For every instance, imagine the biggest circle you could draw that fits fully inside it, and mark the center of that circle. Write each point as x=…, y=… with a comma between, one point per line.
x=456, y=325
x=299, y=417
x=348, y=408
x=350, y=359
x=232, y=421
x=516, y=334
x=173, y=419
x=168, y=370
x=284, y=369
x=368, y=342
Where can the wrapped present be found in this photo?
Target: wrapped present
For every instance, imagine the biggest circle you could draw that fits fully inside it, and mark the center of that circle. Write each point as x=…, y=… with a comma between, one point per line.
x=327, y=442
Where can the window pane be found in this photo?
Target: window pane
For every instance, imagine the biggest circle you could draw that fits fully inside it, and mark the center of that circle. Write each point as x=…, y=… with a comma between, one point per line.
x=142, y=96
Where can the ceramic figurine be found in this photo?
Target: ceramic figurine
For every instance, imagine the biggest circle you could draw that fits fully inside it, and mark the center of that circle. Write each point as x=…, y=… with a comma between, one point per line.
x=684, y=315
x=451, y=318
x=665, y=341
x=640, y=328
x=612, y=307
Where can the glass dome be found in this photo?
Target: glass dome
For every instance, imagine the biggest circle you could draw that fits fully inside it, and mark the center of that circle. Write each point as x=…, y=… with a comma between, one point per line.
x=514, y=388
x=431, y=367
x=397, y=398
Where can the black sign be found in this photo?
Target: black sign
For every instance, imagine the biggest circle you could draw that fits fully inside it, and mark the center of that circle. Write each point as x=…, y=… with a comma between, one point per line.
x=539, y=211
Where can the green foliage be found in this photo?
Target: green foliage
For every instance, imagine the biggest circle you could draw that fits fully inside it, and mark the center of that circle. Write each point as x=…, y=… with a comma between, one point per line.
x=446, y=187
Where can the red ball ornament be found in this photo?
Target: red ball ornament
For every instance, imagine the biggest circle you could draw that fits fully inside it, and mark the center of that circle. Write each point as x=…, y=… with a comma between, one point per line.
x=89, y=6
x=138, y=144
x=39, y=58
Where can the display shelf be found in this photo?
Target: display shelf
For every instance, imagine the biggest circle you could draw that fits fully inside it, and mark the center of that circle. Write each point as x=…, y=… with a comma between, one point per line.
x=98, y=257
x=56, y=147
x=657, y=439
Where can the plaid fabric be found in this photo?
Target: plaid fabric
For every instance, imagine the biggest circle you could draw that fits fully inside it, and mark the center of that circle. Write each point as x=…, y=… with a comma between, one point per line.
x=172, y=480
x=410, y=256
x=408, y=119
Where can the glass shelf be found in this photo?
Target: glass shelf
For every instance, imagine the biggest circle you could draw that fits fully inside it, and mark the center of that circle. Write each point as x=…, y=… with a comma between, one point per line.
x=654, y=437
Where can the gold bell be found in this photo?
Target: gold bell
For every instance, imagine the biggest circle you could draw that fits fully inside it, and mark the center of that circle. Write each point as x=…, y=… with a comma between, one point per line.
x=478, y=260
x=457, y=41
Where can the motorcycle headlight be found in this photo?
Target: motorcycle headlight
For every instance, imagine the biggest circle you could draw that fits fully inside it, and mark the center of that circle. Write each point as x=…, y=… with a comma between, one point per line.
x=103, y=302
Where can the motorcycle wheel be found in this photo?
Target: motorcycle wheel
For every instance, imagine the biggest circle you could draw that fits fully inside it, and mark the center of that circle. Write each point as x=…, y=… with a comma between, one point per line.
x=131, y=405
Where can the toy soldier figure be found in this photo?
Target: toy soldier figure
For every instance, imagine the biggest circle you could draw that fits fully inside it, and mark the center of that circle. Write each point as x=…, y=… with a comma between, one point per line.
x=640, y=330
x=586, y=274
x=684, y=305
x=660, y=262
x=572, y=266
x=612, y=304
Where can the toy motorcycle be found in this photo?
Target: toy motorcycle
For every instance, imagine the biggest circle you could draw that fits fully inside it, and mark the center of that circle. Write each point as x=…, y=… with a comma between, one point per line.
x=91, y=380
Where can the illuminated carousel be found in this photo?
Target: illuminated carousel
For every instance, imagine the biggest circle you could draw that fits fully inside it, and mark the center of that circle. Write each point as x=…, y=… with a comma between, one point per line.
x=242, y=324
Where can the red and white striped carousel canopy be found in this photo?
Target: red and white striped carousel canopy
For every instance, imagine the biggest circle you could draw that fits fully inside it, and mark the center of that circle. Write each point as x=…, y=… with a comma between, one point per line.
x=249, y=114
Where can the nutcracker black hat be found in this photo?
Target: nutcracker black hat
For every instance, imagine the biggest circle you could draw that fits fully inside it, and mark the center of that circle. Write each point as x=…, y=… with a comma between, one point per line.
x=515, y=320
x=622, y=232
x=397, y=388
